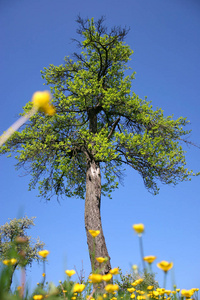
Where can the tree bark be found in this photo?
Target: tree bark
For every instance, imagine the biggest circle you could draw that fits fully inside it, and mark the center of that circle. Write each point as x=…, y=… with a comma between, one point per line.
x=93, y=217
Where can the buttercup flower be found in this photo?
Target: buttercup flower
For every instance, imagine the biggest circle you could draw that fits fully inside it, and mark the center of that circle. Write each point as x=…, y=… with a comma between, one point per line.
x=110, y=288
x=164, y=265
x=100, y=259
x=78, y=288
x=136, y=282
x=132, y=296
x=70, y=272
x=139, y=228
x=43, y=253
x=9, y=262
x=131, y=290
x=38, y=297
x=94, y=233
x=149, y=259
x=95, y=278
x=107, y=277
x=187, y=293
x=114, y=271
x=41, y=101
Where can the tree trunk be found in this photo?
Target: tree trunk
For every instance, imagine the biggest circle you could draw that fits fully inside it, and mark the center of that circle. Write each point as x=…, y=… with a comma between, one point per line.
x=93, y=217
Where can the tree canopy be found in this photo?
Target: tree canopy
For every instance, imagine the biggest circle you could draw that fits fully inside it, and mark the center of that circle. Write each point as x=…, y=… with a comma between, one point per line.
x=98, y=117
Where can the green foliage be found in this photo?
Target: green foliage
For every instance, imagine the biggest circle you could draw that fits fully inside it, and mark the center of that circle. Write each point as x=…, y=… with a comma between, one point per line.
x=8, y=245
x=125, y=281
x=98, y=119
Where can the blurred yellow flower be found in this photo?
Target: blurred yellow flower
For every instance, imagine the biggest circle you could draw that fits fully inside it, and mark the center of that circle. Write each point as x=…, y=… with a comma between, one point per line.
x=149, y=259
x=187, y=293
x=100, y=259
x=130, y=290
x=136, y=282
x=150, y=287
x=114, y=271
x=132, y=296
x=139, y=297
x=70, y=272
x=141, y=292
x=178, y=290
x=107, y=277
x=10, y=262
x=94, y=233
x=43, y=274
x=43, y=253
x=78, y=288
x=168, y=292
x=38, y=297
x=105, y=295
x=95, y=278
x=165, y=266
x=110, y=288
x=139, y=228
x=41, y=101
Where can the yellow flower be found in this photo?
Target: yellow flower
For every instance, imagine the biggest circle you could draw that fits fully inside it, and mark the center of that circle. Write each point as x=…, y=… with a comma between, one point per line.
x=136, y=282
x=38, y=297
x=94, y=233
x=149, y=259
x=100, y=259
x=64, y=291
x=168, y=292
x=132, y=296
x=187, y=293
x=107, y=277
x=104, y=295
x=95, y=278
x=141, y=292
x=139, y=228
x=114, y=271
x=41, y=101
x=141, y=297
x=178, y=290
x=78, y=288
x=10, y=262
x=110, y=288
x=43, y=274
x=131, y=290
x=165, y=266
x=150, y=287
x=70, y=272
x=43, y=253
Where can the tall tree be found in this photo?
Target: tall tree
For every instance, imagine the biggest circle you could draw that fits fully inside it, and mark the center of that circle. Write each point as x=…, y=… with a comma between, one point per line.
x=14, y=242
x=100, y=127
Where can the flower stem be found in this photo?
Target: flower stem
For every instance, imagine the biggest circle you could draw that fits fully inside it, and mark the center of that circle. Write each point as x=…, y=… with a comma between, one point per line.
x=165, y=277
x=142, y=251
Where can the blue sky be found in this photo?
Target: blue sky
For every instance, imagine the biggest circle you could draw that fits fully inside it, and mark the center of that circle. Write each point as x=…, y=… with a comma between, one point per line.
x=165, y=37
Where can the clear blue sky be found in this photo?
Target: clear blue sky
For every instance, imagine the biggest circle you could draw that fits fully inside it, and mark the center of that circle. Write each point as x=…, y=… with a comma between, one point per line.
x=165, y=37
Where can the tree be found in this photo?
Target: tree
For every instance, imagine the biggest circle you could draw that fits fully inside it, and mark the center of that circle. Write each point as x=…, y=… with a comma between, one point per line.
x=99, y=128
x=14, y=241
